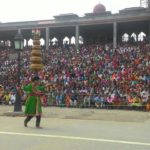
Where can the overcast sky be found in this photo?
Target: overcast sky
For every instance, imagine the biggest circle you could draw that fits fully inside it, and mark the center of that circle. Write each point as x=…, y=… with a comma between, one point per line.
x=26, y=10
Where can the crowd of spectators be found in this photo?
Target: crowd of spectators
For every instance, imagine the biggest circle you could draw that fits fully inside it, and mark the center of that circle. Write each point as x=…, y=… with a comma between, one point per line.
x=91, y=76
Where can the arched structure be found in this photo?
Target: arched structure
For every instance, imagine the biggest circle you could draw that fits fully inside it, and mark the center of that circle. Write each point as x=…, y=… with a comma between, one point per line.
x=95, y=28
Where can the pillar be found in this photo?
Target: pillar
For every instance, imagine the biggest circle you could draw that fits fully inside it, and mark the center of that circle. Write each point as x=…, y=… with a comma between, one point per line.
x=69, y=40
x=136, y=33
x=47, y=38
x=149, y=4
x=114, y=35
x=148, y=31
x=60, y=41
x=77, y=36
x=27, y=42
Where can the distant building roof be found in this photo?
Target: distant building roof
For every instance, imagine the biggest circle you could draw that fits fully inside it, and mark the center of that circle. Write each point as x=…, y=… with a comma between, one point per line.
x=66, y=16
x=132, y=10
x=107, y=13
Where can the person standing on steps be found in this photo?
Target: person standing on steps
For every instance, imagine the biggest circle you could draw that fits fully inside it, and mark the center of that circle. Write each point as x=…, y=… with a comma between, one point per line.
x=33, y=106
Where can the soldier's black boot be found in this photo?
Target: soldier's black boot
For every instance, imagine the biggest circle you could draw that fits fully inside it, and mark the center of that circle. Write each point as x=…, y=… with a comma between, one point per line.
x=28, y=118
x=38, y=120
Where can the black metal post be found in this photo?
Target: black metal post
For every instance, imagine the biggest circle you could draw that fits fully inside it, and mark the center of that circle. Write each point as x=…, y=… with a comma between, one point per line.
x=18, y=105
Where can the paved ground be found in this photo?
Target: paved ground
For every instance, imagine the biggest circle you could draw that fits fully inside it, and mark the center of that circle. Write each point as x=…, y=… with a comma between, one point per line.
x=77, y=129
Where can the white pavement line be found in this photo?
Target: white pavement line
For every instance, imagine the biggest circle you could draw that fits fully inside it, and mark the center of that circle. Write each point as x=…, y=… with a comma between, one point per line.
x=75, y=138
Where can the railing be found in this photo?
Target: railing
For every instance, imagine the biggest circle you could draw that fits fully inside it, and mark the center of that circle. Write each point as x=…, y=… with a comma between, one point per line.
x=82, y=103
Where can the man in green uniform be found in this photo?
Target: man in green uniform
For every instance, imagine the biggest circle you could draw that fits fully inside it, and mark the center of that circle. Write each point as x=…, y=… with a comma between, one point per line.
x=33, y=103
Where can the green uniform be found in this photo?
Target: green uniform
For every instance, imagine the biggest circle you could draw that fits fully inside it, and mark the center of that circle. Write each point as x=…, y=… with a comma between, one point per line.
x=33, y=103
